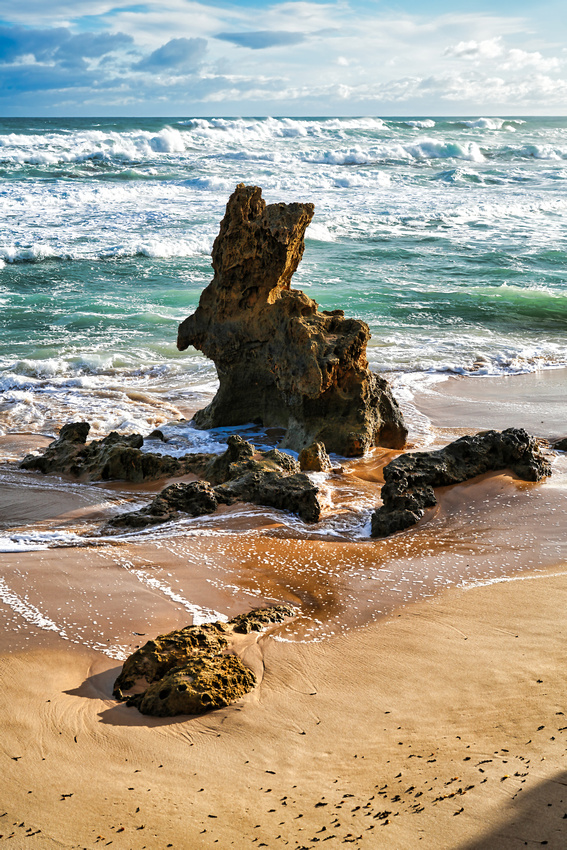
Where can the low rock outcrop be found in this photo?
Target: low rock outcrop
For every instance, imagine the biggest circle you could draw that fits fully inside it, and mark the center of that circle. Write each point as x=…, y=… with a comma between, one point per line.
x=410, y=478
x=242, y=474
x=280, y=361
x=117, y=456
x=560, y=445
x=195, y=499
x=189, y=671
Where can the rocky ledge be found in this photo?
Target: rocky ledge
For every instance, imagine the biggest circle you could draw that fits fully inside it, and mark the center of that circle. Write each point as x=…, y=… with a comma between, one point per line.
x=117, y=456
x=240, y=474
x=281, y=361
x=410, y=478
x=190, y=670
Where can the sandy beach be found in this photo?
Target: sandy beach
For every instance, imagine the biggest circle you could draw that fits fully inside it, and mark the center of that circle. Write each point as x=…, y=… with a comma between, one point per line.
x=416, y=700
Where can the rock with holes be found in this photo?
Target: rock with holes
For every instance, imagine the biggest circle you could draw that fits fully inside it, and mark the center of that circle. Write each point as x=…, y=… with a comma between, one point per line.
x=201, y=685
x=281, y=361
x=191, y=670
x=410, y=478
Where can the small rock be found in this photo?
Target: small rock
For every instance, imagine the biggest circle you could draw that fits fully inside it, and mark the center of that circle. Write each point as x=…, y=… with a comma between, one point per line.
x=188, y=671
x=116, y=456
x=314, y=458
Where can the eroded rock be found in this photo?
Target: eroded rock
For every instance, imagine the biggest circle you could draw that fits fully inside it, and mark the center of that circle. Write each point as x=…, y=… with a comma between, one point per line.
x=116, y=456
x=560, y=445
x=314, y=459
x=241, y=473
x=281, y=361
x=190, y=670
x=410, y=478
x=196, y=499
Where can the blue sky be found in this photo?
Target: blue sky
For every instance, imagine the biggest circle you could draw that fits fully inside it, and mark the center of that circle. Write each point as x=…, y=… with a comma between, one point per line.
x=294, y=57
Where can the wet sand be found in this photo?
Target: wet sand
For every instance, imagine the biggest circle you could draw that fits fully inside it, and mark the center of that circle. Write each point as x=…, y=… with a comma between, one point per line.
x=428, y=715
x=536, y=401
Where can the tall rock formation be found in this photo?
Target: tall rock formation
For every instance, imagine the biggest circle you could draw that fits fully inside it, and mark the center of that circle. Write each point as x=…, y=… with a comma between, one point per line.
x=280, y=361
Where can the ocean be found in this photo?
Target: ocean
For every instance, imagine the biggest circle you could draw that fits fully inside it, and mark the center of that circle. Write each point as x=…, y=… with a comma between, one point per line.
x=448, y=236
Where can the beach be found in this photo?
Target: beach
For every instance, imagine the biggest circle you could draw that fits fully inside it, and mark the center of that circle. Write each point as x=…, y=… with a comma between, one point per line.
x=414, y=698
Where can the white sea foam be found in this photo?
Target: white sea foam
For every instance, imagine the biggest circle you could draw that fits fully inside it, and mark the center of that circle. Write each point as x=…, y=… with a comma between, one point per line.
x=26, y=610
x=36, y=540
x=425, y=124
x=484, y=123
x=367, y=180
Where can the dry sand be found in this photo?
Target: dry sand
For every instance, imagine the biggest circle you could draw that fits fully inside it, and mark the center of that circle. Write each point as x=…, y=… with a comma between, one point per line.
x=439, y=725
x=443, y=725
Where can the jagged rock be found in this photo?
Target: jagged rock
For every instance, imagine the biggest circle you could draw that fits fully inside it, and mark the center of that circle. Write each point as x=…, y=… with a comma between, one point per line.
x=242, y=457
x=410, y=478
x=188, y=671
x=117, y=456
x=295, y=493
x=196, y=499
x=560, y=445
x=314, y=459
x=241, y=473
x=280, y=361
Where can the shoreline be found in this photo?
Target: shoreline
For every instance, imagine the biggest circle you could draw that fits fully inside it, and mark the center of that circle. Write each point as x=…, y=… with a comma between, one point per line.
x=431, y=713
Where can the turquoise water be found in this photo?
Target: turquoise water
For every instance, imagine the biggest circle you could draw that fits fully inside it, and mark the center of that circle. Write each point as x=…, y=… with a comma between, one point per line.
x=448, y=237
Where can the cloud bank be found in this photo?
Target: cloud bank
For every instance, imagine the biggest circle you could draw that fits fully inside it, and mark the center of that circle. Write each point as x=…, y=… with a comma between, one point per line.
x=293, y=57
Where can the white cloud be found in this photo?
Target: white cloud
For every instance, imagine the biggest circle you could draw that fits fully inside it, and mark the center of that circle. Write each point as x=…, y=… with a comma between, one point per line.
x=489, y=48
x=517, y=59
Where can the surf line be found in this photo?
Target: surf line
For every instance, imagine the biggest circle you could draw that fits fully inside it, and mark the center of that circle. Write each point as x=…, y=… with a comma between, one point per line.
x=200, y=615
x=34, y=616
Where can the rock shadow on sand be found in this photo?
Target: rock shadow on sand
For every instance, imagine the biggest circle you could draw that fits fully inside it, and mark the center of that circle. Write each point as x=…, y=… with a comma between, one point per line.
x=99, y=687
x=535, y=818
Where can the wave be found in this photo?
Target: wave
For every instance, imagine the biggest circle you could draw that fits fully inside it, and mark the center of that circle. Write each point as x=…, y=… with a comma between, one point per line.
x=258, y=129
x=422, y=149
x=488, y=123
x=89, y=146
x=420, y=124
x=160, y=248
x=100, y=148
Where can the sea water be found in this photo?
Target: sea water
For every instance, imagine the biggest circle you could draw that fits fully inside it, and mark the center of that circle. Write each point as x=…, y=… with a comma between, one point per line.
x=448, y=236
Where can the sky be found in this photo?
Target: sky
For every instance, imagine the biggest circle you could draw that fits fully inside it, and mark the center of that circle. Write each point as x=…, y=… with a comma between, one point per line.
x=284, y=57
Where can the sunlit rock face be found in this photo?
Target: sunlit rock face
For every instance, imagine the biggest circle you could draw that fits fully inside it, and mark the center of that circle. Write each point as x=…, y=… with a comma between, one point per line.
x=280, y=360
